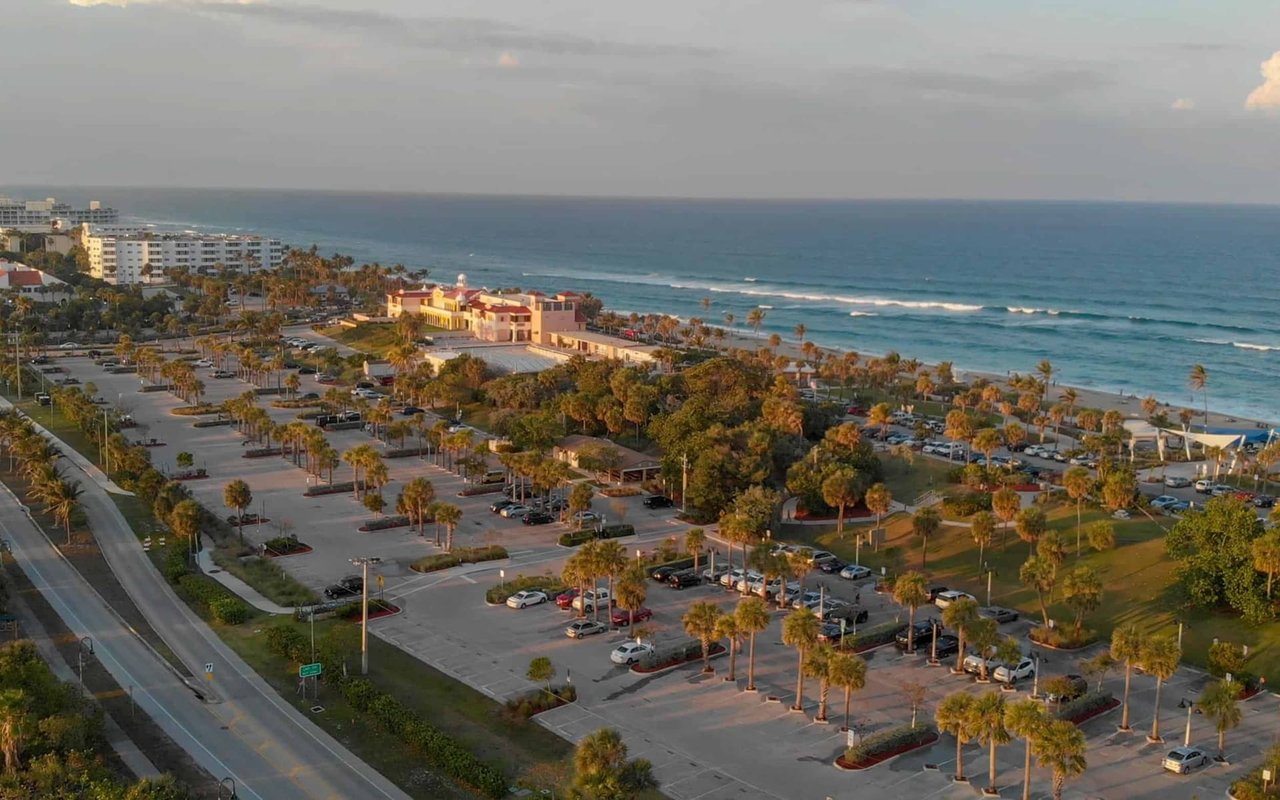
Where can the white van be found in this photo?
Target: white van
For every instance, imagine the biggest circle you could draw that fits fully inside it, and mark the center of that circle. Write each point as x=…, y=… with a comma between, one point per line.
x=1204, y=485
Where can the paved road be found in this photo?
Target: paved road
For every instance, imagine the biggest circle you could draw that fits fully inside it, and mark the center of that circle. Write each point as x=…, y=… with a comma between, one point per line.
x=247, y=731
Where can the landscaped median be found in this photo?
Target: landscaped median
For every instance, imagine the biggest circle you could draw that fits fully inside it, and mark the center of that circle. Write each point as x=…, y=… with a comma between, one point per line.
x=197, y=411
x=385, y=523
x=886, y=745
x=575, y=538
x=535, y=702
x=460, y=555
x=872, y=638
x=1086, y=707
x=330, y=488
x=669, y=658
x=550, y=585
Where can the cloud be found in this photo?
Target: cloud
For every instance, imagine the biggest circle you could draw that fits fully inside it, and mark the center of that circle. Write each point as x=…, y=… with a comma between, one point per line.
x=448, y=34
x=1183, y=104
x=508, y=60
x=1268, y=94
x=1044, y=85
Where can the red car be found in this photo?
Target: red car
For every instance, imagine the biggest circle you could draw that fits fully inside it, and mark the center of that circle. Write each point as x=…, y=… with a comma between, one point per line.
x=565, y=600
x=856, y=411
x=622, y=617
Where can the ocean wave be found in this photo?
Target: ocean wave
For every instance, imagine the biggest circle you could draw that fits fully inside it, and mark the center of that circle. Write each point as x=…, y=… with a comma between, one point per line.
x=863, y=314
x=1241, y=345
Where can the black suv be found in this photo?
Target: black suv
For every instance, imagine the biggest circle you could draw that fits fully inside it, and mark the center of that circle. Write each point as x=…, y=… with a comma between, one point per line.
x=923, y=635
x=352, y=584
x=662, y=574
x=657, y=501
x=683, y=578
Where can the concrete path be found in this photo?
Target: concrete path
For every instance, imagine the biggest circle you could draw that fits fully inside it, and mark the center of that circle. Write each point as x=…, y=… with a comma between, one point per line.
x=246, y=592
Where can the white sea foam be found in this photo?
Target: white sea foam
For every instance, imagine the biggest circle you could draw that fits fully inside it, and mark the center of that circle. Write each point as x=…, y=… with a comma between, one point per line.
x=749, y=280
x=1053, y=312
x=863, y=314
x=1241, y=345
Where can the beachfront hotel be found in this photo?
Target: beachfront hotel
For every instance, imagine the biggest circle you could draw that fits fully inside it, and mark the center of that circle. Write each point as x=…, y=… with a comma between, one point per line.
x=41, y=216
x=123, y=256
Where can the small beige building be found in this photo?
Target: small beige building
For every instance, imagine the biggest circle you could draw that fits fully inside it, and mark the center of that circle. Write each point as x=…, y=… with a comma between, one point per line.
x=618, y=463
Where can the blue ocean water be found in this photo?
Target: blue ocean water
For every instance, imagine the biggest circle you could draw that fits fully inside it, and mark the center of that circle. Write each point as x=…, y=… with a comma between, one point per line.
x=1118, y=296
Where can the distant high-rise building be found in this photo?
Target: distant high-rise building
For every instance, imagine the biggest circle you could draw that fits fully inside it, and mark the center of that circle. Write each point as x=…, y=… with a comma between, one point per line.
x=36, y=216
x=128, y=257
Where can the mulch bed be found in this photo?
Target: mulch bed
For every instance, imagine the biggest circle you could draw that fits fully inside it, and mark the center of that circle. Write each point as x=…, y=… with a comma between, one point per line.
x=384, y=524
x=210, y=423
x=484, y=488
x=716, y=650
x=301, y=549
x=403, y=452
x=1088, y=715
x=379, y=613
x=885, y=756
x=262, y=452
x=334, y=488
x=189, y=476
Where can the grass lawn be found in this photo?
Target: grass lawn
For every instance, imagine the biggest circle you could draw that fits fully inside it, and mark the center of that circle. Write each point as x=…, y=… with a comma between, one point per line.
x=526, y=750
x=371, y=337
x=1137, y=577
x=906, y=481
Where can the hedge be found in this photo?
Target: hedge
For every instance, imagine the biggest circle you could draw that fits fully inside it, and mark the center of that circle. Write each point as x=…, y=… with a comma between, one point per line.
x=460, y=555
x=482, y=488
x=330, y=488
x=1085, y=704
x=344, y=426
x=229, y=610
x=404, y=452
x=385, y=523
x=550, y=584
x=539, y=700
x=437, y=747
x=874, y=637
x=211, y=423
x=1060, y=637
x=576, y=538
x=196, y=411
x=880, y=744
x=298, y=403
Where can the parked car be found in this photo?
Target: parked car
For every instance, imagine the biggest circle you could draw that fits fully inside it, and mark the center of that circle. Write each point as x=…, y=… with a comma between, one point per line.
x=684, y=578
x=309, y=396
x=1006, y=673
x=831, y=566
x=1163, y=500
x=999, y=613
x=221, y=373
x=583, y=517
x=948, y=645
x=584, y=627
x=972, y=664
x=528, y=597
x=69, y=345
x=565, y=598
x=934, y=591
x=537, y=518
x=1264, y=501
x=498, y=505
x=1221, y=490
x=621, y=616
x=923, y=633
x=1176, y=481
x=1078, y=687
x=345, y=587
x=950, y=596
x=730, y=579
x=409, y=411
x=629, y=653
x=204, y=362
x=1204, y=486
x=514, y=510
x=1184, y=759
x=711, y=575
x=855, y=572
x=660, y=574
x=836, y=611
x=588, y=599
x=657, y=501
x=306, y=370
x=831, y=632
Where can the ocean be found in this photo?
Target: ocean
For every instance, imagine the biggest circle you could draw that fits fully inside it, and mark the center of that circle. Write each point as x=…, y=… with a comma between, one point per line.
x=1120, y=297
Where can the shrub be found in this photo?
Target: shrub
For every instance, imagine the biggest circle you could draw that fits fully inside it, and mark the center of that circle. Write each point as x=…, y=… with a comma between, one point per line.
x=874, y=637
x=353, y=610
x=585, y=535
x=284, y=544
x=1225, y=657
x=175, y=563
x=330, y=488
x=267, y=577
x=285, y=641
x=229, y=610
x=383, y=523
x=196, y=411
x=535, y=702
x=210, y=423
x=1061, y=637
x=964, y=504
x=887, y=742
x=482, y=488
x=460, y=555
x=1083, y=705
x=201, y=589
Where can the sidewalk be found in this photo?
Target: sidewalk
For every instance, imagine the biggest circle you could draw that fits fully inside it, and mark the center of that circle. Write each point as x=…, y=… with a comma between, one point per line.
x=246, y=592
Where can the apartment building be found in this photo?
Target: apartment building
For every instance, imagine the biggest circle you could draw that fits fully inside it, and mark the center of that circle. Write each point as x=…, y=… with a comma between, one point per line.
x=39, y=216
x=142, y=256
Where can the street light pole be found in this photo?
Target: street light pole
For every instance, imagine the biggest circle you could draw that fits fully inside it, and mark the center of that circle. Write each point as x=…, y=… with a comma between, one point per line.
x=364, y=563
x=80, y=657
x=1186, y=737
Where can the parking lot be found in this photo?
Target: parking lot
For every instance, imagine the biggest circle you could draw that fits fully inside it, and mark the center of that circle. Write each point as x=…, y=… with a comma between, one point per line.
x=707, y=738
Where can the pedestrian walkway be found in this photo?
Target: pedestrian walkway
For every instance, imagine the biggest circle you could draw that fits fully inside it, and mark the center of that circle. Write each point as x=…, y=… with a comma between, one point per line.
x=71, y=454
x=246, y=592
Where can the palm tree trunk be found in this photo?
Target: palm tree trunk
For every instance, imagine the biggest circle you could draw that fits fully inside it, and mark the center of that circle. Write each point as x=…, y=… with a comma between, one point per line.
x=991, y=770
x=1124, y=713
x=848, y=697
x=751, y=664
x=799, y=678
x=1026, y=773
x=1155, y=719
x=959, y=760
x=823, y=689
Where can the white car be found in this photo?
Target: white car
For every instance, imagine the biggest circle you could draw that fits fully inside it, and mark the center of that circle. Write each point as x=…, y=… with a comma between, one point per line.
x=585, y=516
x=1183, y=759
x=1024, y=669
x=1034, y=450
x=68, y=345
x=1163, y=500
x=731, y=578
x=630, y=652
x=526, y=598
x=514, y=511
x=855, y=572
x=1176, y=482
x=950, y=596
x=204, y=362
x=972, y=664
x=744, y=583
x=588, y=599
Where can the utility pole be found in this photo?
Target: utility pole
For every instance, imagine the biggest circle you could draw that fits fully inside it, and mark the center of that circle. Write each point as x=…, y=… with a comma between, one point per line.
x=364, y=563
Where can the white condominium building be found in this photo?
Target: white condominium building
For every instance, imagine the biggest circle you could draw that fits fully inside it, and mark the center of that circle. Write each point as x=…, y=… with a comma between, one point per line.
x=37, y=216
x=128, y=258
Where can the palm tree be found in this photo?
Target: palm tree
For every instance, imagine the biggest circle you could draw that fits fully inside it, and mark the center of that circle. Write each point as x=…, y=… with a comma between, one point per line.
x=1061, y=746
x=909, y=590
x=817, y=664
x=755, y=318
x=1005, y=503
x=237, y=495
x=925, y=523
x=62, y=500
x=989, y=729
x=1266, y=555
x=611, y=559
x=1160, y=657
x=1199, y=381
x=1082, y=592
x=632, y=588
x=448, y=515
x=694, y=540
x=982, y=526
x=1025, y=719
x=753, y=618
x=878, y=500
x=1220, y=702
x=1078, y=482
x=13, y=727
x=800, y=630
x=986, y=441
x=416, y=497
x=728, y=627
x=700, y=622
x=955, y=715
x=958, y=616
x=1126, y=647
x=841, y=489
x=847, y=671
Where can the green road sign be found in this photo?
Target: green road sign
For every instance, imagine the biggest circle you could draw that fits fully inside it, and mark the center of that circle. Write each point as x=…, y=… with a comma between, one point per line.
x=309, y=670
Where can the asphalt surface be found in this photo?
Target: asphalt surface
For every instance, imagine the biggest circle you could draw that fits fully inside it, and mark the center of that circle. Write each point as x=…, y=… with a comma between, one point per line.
x=242, y=729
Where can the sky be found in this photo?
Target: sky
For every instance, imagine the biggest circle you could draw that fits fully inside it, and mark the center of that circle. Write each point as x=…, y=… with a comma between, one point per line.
x=1163, y=100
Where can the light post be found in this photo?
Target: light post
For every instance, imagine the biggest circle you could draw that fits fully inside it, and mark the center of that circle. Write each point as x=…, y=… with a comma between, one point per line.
x=228, y=784
x=933, y=654
x=990, y=572
x=1035, y=681
x=364, y=563
x=80, y=656
x=1186, y=736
